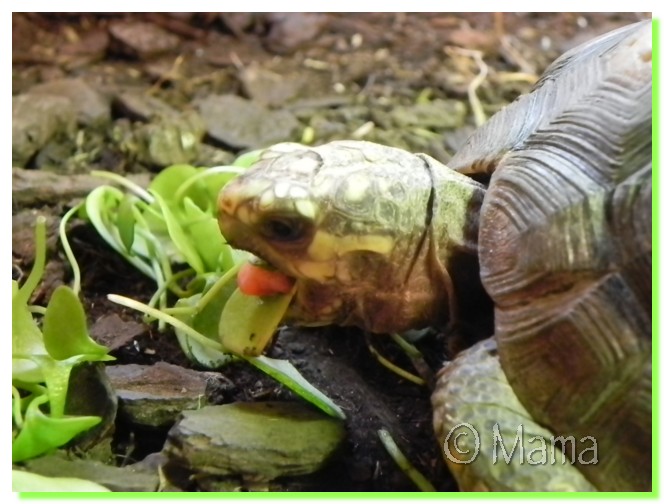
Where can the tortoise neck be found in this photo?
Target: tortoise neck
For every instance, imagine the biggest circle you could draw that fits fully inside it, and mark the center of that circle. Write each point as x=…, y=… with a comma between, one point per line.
x=455, y=219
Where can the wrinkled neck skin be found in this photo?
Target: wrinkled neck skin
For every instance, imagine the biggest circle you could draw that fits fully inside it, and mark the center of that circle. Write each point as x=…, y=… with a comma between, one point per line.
x=429, y=278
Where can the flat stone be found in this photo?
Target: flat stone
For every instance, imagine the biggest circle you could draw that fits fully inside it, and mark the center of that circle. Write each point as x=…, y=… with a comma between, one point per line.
x=31, y=188
x=142, y=107
x=257, y=441
x=270, y=88
x=290, y=31
x=240, y=123
x=35, y=120
x=117, y=479
x=90, y=106
x=113, y=332
x=154, y=395
x=141, y=40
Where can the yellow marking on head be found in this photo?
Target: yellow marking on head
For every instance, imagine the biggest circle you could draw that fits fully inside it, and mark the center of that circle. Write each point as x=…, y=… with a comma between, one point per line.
x=243, y=214
x=325, y=246
x=306, y=208
x=316, y=270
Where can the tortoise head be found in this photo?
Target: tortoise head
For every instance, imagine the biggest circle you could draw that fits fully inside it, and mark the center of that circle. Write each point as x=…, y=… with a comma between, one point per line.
x=356, y=225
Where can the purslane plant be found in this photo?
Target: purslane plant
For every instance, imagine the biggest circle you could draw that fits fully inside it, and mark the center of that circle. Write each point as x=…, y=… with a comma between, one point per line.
x=169, y=232
x=42, y=361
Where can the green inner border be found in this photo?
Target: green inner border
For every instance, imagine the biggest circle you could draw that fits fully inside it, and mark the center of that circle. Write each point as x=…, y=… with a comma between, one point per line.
x=655, y=262
x=460, y=495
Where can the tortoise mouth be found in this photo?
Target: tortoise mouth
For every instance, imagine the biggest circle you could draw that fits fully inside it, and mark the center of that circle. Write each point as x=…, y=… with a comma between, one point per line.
x=256, y=278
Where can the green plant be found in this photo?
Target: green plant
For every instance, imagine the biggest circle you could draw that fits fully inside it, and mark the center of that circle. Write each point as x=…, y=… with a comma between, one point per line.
x=42, y=361
x=170, y=233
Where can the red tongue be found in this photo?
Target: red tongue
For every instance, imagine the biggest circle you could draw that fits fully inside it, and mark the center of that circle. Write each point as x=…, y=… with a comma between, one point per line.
x=256, y=281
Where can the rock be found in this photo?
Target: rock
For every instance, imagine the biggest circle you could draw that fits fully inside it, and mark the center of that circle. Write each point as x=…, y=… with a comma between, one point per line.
x=89, y=105
x=154, y=395
x=141, y=40
x=91, y=394
x=111, y=331
x=270, y=88
x=139, y=106
x=35, y=120
x=91, y=46
x=257, y=441
x=32, y=188
x=117, y=479
x=241, y=123
x=290, y=30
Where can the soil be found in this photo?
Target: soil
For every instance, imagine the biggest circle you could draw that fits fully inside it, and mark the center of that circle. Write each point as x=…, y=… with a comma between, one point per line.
x=335, y=76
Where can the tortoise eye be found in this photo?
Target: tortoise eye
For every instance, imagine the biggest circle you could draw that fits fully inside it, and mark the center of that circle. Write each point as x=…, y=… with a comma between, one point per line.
x=283, y=229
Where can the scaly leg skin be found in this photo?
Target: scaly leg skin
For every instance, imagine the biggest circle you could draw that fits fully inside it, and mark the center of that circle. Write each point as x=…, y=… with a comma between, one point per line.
x=488, y=439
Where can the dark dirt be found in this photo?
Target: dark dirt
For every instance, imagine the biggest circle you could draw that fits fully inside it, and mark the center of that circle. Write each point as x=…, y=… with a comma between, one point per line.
x=326, y=76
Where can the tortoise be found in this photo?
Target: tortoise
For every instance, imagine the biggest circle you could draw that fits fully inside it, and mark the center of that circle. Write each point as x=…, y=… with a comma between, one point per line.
x=557, y=245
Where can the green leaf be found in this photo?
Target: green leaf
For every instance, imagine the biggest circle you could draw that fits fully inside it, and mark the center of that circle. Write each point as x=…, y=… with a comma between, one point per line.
x=248, y=158
x=24, y=481
x=26, y=340
x=206, y=322
x=284, y=372
x=248, y=323
x=178, y=235
x=169, y=180
x=203, y=229
x=65, y=327
x=101, y=208
x=126, y=222
x=41, y=434
x=56, y=376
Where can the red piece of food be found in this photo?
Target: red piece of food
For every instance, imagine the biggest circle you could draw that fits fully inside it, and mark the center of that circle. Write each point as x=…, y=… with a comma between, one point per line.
x=253, y=280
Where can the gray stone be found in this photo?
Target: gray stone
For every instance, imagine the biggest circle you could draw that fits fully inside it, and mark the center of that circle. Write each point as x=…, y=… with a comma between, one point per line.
x=139, y=106
x=289, y=31
x=257, y=441
x=36, y=187
x=241, y=123
x=35, y=120
x=154, y=395
x=270, y=88
x=141, y=40
x=117, y=479
x=90, y=105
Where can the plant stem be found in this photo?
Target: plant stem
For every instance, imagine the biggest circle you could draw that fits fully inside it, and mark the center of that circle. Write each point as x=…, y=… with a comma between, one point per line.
x=397, y=455
x=218, y=285
x=159, y=315
x=24, y=293
x=62, y=231
x=125, y=182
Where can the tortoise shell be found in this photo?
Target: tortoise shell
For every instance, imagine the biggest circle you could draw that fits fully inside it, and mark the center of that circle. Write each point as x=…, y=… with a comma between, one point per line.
x=565, y=248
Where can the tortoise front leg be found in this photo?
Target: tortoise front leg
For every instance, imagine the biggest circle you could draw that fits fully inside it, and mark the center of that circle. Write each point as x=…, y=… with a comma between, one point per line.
x=488, y=439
